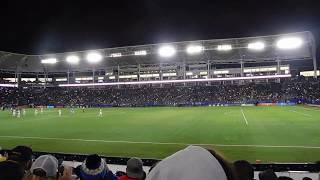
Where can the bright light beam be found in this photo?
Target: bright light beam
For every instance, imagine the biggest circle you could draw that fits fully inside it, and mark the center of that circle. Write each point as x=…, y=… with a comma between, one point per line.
x=224, y=47
x=256, y=46
x=49, y=61
x=94, y=57
x=194, y=49
x=73, y=59
x=289, y=43
x=167, y=51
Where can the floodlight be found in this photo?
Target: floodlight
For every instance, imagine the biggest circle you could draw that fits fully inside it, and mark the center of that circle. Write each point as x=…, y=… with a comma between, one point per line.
x=194, y=49
x=224, y=47
x=140, y=53
x=49, y=61
x=256, y=46
x=166, y=51
x=73, y=59
x=115, y=55
x=289, y=43
x=94, y=57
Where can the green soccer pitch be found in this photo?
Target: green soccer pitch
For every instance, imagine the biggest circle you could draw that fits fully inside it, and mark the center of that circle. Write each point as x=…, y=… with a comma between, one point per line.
x=269, y=134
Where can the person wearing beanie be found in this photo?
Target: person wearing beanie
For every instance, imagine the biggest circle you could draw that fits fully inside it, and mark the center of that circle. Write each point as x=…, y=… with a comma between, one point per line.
x=11, y=170
x=95, y=168
x=191, y=163
x=134, y=170
x=23, y=156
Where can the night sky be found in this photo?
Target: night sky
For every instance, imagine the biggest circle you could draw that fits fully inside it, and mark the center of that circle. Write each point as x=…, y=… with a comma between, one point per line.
x=57, y=26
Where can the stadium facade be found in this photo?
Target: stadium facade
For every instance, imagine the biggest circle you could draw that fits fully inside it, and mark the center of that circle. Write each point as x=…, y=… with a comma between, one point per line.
x=202, y=62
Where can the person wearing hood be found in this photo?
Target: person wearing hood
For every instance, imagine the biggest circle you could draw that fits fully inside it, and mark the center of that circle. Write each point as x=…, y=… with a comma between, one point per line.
x=95, y=168
x=192, y=163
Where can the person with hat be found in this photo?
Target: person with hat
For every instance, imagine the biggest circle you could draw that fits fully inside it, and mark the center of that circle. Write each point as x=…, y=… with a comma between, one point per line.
x=45, y=167
x=95, y=168
x=134, y=170
x=11, y=170
x=22, y=155
x=193, y=162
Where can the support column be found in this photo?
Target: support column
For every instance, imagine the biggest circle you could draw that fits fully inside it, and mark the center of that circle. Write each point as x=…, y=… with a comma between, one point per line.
x=241, y=71
x=68, y=76
x=160, y=74
x=278, y=70
x=139, y=74
x=184, y=73
x=208, y=72
x=118, y=75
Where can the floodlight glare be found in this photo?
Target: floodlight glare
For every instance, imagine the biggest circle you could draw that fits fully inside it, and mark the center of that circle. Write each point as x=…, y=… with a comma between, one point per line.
x=256, y=46
x=224, y=47
x=194, y=49
x=140, y=53
x=289, y=43
x=166, y=51
x=72, y=59
x=49, y=61
x=94, y=57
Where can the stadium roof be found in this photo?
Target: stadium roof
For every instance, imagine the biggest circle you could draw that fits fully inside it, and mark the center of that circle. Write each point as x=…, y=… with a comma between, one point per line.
x=217, y=51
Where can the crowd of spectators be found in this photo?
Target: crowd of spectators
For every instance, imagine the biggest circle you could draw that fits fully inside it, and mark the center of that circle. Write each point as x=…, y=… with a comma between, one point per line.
x=298, y=88
x=193, y=162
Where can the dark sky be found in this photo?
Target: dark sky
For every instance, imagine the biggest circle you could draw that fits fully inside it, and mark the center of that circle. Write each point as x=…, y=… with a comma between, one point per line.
x=52, y=26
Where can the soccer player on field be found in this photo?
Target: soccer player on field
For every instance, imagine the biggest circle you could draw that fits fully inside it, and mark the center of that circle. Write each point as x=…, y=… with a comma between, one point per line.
x=36, y=112
x=14, y=112
x=60, y=113
x=24, y=112
x=100, y=113
x=18, y=113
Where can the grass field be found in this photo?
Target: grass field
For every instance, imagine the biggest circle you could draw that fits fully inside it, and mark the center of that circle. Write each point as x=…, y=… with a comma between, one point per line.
x=270, y=134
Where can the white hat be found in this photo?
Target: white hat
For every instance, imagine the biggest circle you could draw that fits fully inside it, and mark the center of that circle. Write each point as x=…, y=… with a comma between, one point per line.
x=47, y=163
x=191, y=163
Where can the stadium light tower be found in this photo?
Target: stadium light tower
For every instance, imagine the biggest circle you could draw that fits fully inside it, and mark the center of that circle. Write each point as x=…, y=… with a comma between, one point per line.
x=167, y=51
x=73, y=59
x=49, y=61
x=256, y=46
x=289, y=43
x=94, y=57
x=224, y=47
x=194, y=49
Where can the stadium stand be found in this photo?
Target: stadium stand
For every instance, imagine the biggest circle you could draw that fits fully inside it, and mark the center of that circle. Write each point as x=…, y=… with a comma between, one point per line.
x=295, y=90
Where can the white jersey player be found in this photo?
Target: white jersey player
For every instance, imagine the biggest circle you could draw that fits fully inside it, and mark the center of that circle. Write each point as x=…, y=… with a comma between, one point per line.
x=14, y=112
x=41, y=110
x=36, y=112
x=100, y=113
x=60, y=113
x=24, y=112
x=18, y=113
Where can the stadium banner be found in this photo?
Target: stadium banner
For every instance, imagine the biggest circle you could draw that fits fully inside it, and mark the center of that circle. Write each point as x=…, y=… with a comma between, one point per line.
x=50, y=107
x=277, y=104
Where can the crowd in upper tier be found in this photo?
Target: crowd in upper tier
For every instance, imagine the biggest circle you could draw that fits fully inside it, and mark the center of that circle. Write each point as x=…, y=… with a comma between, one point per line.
x=295, y=89
x=191, y=163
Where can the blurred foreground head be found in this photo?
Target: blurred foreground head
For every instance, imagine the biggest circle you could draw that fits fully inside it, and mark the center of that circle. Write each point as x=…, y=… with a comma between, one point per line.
x=192, y=163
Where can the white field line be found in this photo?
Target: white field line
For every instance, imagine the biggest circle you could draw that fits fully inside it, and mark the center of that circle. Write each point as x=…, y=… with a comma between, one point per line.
x=310, y=109
x=304, y=114
x=244, y=117
x=160, y=143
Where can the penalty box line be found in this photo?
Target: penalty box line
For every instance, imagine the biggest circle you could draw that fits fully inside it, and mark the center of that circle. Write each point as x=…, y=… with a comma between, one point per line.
x=244, y=117
x=159, y=143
